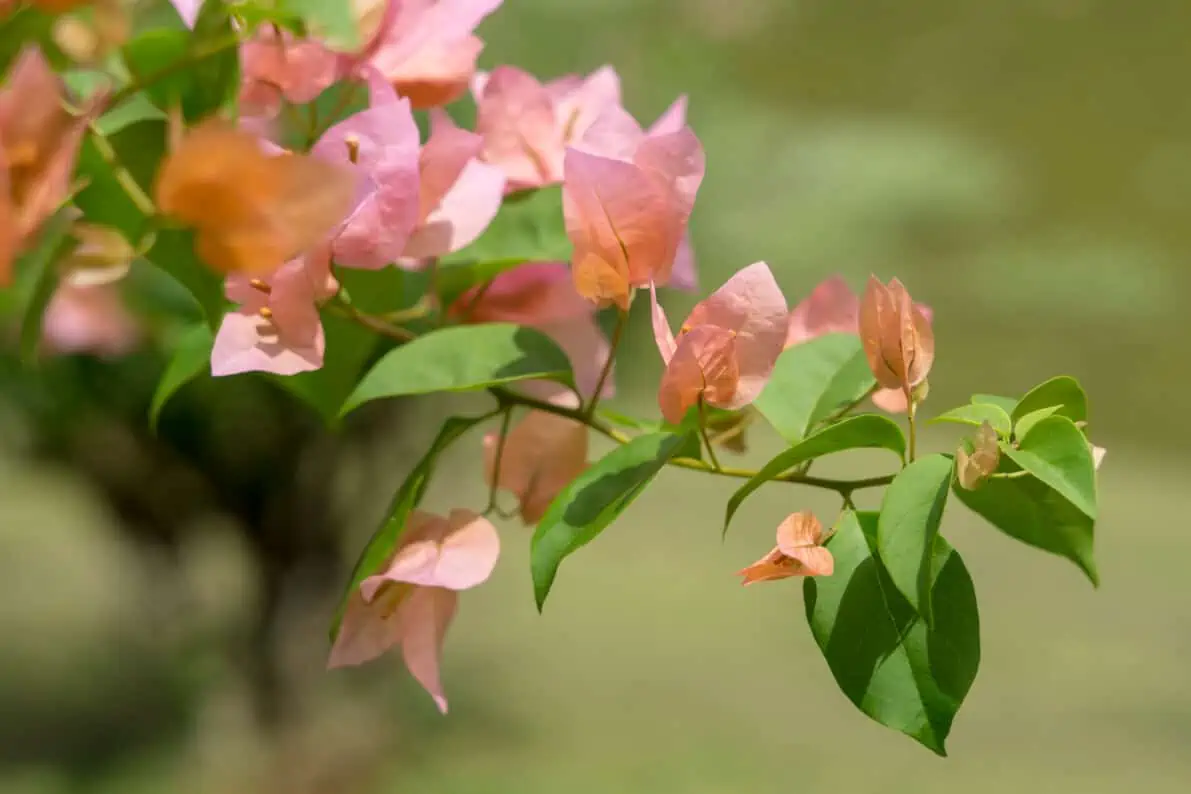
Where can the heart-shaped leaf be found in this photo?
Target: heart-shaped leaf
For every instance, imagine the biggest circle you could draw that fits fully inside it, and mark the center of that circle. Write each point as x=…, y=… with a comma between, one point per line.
x=1063, y=391
x=891, y=665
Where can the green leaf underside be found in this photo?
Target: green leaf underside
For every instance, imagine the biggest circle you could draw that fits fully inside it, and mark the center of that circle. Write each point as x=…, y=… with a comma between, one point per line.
x=866, y=431
x=884, y=658
x=528, y=228
x=976, y=414
x=191, y=356
x=1028, y=510
x=595, y=499
x=1056, y=452
x=813, y=380
x=383, y=542
x=463, y=358
x=349, y=346
x=911, y=512
x=1063, y=391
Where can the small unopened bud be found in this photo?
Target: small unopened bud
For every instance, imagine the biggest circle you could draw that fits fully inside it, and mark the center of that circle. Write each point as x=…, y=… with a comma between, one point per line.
x=353, y=148
x=100, y=256
x=898, y=341
x=974, y=468
x=77, y=40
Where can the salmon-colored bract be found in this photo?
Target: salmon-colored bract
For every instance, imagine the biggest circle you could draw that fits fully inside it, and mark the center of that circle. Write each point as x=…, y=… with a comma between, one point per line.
x=799, y=552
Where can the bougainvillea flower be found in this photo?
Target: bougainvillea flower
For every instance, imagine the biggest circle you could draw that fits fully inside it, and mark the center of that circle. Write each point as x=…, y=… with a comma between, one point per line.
x=89, y=318
x=253, y=210
x=627, y=219
x=726, y=349
x=39, y=142
x=831, y=308
x=276, y=327
x=542, y=455
x=973, y=468
x=381, y=145
x=541, y=295
x=411, y=604
x=897, y=337
x=275, y=65
x=527, y=126
x=799, y=552
x=459, y=194
x=425, y=48
x=188, y=10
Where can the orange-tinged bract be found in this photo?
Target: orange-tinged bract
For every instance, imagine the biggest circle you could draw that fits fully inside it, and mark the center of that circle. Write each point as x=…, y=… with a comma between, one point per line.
x=542, y=455
x=799, y=552
x=252, y=210
x=897, y=337
x=971, y=469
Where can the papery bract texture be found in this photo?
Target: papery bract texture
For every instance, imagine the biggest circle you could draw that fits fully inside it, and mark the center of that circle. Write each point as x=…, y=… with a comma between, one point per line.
x=799, y=552
x=897, y=337
x=542, y=455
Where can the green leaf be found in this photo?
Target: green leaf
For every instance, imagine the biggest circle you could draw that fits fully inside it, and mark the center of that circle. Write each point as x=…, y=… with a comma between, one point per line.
x=1063, y=391
x=589, y=504
x=349, y=347
x=138, y=148
x=463, y=358
x=813, y=380
x=389, y=289
x=332, y=21
x=39, y=270
x=384, y=541
x=855, y=432
x=23, y=26
x=1056, y=452
x=295, y=128
x=191, y=356
x=1025, y=424
x=190, y=69
x=911, y=512
x=890, y=664
x=1006, y=404
x=1027, y=509
x=528, y=228
x=173, y=252
x=977, y=414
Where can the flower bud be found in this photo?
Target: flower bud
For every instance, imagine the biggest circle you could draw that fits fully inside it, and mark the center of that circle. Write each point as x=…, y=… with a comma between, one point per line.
x=972, y=469
x=101, y=255
x=898, y=341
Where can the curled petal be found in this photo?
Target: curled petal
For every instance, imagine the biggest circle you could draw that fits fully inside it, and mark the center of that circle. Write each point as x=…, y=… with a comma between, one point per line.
x=661, y=327
x=800, y=538
x=457, y=552
x=705, y=365
x=443, y=159
x=897, y=337
x=425, y=615
x=462, y=215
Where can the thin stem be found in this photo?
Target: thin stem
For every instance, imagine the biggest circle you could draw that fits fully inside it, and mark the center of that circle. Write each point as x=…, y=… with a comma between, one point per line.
x=505, y=420
x=703, y=432
x=373, y=323
x=617, y=332
x=134, y=192
x=199, y=53
x=913, y=427
x=843, y=411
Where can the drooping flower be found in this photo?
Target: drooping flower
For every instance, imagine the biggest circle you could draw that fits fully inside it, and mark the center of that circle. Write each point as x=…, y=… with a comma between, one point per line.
x=541, y=295
x=39, y=142
x=253, y=210
x=276, y=66
x=727, y=347
x=459, y=194
x=542, y=455
x=412, y=603
x=276, y=327
x=527, y=126
x=380, y=144
x=426, y=48
x=831, y=308
x=897, y=337
x=627, y=214
x=799, y=552
x=972, y=469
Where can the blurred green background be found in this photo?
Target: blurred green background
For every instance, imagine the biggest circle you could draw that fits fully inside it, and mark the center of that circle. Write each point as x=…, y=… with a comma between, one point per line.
x=1024, y=166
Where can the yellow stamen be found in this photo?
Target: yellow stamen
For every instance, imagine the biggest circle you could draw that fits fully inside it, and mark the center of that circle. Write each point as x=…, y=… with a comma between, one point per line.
x=260, y=286
x=265, y=312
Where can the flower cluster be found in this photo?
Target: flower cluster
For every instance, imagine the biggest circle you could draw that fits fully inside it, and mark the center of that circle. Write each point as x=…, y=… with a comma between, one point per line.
x=294, y=169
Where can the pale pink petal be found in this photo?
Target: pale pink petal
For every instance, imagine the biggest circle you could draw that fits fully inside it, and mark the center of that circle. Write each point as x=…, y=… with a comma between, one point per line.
x=90, y=319
x=188, y=10
x=797, y=531
x=584, y=343
x=831, y=307
x=622, y=216
x=425, y=615
x=515, y=117
x=1098, y=455
x=535, y=294
x=275, y=65
x=673, y=120
x=579, y=104
x=443, y=158
x=462, y=215
x=683, y=275
x=457, y=552
x=891, y=400
x=661, y=326
x=479, y=83
x=752, y=307
x=704, y=364
x=543, y=454
x=614, y=134
x=677, y=161
x=813, y=561
x=367, y=630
